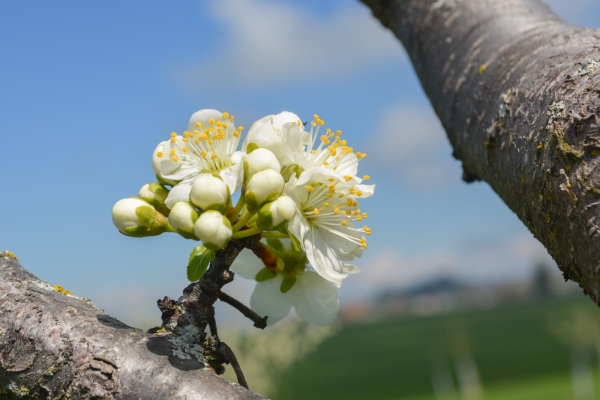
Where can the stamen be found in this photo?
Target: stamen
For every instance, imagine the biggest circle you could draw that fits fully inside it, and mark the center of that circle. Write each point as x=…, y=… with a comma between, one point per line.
x=198, y=125
x=359, y=193
x=174, y=158
x=225, y=114
x=365, y=215
x=344, y=223
x=173, y=134
x=159, y=154
x=211, y=121
x=316, y=211
x=185, y=149
x=336, y=211
x=326, y=204
x=172, y=152
x=309, y=188
x=366, y=177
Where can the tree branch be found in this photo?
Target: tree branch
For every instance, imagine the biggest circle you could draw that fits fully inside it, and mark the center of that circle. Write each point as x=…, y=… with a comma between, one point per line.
x=55, y=345
x=518, y=93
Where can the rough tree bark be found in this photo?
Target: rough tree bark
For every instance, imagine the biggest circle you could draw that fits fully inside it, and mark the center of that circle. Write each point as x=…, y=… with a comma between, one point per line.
x=54, y=345
x=518, y=93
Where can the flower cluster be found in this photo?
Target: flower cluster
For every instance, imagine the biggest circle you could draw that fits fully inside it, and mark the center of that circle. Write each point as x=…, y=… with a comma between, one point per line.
x=296, y=185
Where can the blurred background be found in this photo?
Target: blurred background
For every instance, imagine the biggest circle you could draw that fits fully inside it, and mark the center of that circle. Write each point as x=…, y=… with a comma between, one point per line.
x=456, y=299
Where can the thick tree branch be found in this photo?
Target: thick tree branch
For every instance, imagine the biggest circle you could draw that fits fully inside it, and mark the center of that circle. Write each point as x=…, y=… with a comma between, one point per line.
x=518, y=92
x=54, y=345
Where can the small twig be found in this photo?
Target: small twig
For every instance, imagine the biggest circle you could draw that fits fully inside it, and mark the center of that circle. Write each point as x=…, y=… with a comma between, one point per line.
x=267, y=257
x=259, y=322
x=230, y=357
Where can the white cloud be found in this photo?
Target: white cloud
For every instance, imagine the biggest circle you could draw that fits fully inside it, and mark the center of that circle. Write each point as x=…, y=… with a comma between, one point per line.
x=271, y=43
x=489, y=260
x=410, y=142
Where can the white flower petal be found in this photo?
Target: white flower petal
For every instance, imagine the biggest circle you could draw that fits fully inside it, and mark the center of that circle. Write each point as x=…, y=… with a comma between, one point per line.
x=203, y=116
x=247, y=265
x=323, y=258
x=234, y=175
x=315, y=300
x=180, y=192
x=267, y=300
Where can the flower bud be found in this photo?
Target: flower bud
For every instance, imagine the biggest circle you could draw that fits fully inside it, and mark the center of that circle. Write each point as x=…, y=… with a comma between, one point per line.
x=263, y=187
x=260, y=160
x=154, y=194
x=183, y=216
x=275, y=215
x=156, y=159
x=214, y=229
x=267, y=133
x=210, y=193
x=134, y=217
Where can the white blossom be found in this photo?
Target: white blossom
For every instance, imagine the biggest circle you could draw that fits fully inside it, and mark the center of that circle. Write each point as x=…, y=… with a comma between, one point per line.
x=207, y=147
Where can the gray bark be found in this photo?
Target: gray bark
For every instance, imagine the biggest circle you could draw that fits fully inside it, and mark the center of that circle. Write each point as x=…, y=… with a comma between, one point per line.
x=54, y=345
x=518, y=93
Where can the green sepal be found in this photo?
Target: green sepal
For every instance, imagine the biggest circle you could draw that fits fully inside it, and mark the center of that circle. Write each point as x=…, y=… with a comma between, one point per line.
x=291, y=170
x=186, y=234
x=264, y=275
x=295, y=242
x=158, y=190
x=287, y=284
x=251, y=147
x=146, y=214
x=136, y=231
x=158, y=205
x=276, y=244
x=200, y=258
x=252, y=202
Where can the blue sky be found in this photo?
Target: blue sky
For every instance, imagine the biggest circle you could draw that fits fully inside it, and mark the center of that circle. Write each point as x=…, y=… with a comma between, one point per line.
x=90, y=88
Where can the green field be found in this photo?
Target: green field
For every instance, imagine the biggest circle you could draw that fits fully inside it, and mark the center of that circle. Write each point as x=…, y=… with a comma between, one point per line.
x=521, y=350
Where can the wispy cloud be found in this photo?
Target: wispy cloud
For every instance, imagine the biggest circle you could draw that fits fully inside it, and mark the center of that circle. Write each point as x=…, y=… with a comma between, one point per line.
x=483, y=260
x=410, y=143
x=270, y=43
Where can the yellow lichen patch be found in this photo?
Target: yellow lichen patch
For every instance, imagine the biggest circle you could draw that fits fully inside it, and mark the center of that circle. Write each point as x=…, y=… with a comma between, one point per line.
x=482, y=69
x=61, y=290
x=8, y=254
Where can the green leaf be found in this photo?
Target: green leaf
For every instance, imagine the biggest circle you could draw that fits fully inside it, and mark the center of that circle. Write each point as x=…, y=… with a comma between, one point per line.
x=264, y=275
x=198, y=263
x=287, y=284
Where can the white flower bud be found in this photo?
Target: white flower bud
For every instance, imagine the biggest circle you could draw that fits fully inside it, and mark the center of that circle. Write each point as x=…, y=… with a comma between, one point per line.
x=135, y=217
x=259, y=160
x=264, y=186
x=183, y=216
x=276, y=215
x=210, y=193
x=157, y=156
x=267, y=133
x=214, y=229
x=155, y=194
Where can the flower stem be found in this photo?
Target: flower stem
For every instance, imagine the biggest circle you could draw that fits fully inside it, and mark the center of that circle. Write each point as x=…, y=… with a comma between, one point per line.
x=247, y=232
x=238, y=207
x=246, y=215
x=275, y=235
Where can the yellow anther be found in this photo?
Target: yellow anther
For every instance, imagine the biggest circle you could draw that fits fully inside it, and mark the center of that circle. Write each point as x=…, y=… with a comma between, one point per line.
x=198, y=124
x=231, y=118
x=336, y=210
x=213, y=156
x=196, y=132
x=316, y=211
x=240, y=128
x=365, y=215
x=219, y=124
x=359, y=193
x=211, y=121
x=313, y=123
x=341, y=195
x=338, y=132
x=328, y=130
x=174, y=158
x=325, y=163
x=236, y=134
x=348, y=212
x=352, y=191
x=203, y=154
x=316, y=116
x=326, y=204
x=355, y=203
x=323, y=138
x=159, y=154
x=358, y=217
x=330, y=195
x=331, y=186
x=347, y=178
x=331, y=179
x=197, y=141
x=172, y=152
x=344, y=223
x=299, y=123
x=185, y=139
x=225, y=126
x=364, y=244
x=314, y=152
x=173, y=140
x=225, y=114
x=173, y=134
x=185, y=149
x=309, y=188
x=366, y=177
